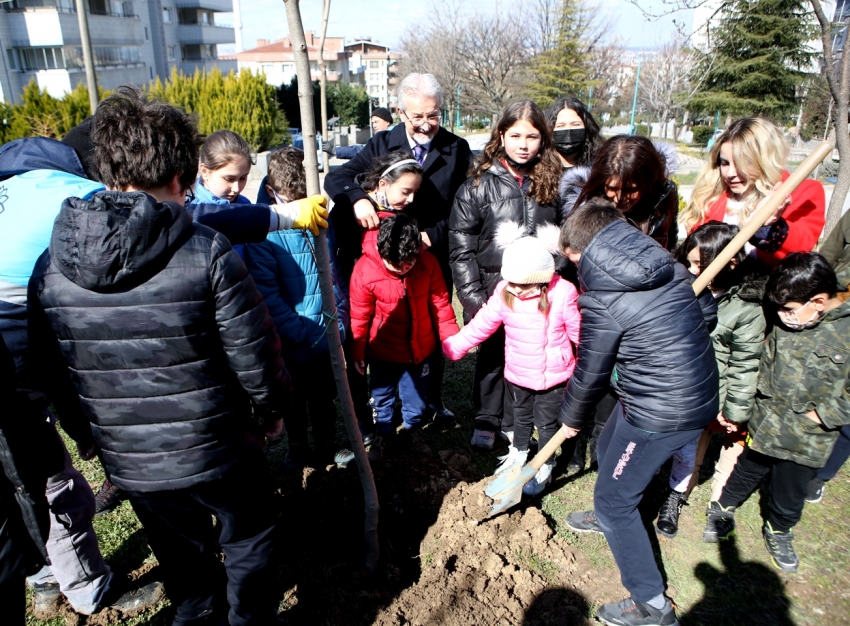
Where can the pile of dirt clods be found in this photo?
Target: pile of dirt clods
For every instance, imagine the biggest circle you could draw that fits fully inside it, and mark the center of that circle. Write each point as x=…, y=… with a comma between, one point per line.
x=511, y=569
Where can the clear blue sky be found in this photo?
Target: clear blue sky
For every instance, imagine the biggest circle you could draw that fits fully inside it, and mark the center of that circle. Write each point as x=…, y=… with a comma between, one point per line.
x=386, y=20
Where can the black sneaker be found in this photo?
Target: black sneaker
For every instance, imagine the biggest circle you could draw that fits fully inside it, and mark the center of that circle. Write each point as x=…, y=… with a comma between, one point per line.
x=296, y=456
x=630, y=613
x=418, y=442
x=781, y=548
x=668, y=517
x=720, y=524
x=442, y=412
x=583, y=522
x=108, y=498
x=378, y=449
x=815, y=493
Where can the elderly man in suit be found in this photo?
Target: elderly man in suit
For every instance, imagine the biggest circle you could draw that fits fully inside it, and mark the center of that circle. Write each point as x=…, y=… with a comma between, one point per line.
x=445, y=159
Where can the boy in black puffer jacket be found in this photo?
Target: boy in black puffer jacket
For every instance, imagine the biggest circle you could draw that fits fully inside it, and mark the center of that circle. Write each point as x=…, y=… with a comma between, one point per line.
x=645, y=332
x=151, y=324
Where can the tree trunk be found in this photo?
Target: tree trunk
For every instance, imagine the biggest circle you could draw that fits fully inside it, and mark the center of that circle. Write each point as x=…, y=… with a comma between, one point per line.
x=323, y=73
x=311, y=166
x=839, y=88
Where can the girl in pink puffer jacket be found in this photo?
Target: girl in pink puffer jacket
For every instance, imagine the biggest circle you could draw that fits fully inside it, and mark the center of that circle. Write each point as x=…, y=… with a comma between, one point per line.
x=540, y=313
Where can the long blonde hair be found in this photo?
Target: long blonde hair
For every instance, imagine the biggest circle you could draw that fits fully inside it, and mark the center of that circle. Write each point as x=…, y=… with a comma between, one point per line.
x=759, y=151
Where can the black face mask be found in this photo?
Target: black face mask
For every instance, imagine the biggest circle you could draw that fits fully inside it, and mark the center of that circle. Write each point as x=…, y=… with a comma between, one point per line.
x=568, y=141
x=522, y=166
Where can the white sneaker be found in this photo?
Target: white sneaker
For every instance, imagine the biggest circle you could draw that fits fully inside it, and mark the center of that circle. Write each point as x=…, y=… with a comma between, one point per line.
x=513, y=458
x=483, y=439
x=536, y=485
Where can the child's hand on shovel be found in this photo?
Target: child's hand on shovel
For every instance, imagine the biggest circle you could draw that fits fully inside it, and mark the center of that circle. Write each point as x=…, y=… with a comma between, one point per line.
x=569, y=432
x=779, y=210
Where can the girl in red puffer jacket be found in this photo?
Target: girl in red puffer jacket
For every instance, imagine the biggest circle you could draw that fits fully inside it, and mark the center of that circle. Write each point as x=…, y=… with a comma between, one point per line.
x=400, y=310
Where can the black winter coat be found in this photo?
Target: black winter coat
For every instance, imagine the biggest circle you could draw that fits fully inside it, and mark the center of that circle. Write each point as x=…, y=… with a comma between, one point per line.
x=445, y=169
x=30, y=452
x=643, y=329
x=476, y=259
x=165, y=337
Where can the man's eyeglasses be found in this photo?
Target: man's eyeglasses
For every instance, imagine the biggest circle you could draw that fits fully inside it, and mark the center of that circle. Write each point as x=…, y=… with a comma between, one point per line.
x=418, y=118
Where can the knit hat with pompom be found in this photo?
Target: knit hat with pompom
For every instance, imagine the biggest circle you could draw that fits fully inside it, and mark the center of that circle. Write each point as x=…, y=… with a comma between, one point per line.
x=527, y=260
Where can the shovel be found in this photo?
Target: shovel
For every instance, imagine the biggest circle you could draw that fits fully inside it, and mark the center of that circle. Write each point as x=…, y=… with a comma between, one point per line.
x=505, y=489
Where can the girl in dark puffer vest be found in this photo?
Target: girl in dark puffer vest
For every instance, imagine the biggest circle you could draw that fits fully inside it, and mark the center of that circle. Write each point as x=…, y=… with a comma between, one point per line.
x=517, y=180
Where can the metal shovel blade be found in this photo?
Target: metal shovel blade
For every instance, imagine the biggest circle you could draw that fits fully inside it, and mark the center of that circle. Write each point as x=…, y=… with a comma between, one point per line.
x=505, y=488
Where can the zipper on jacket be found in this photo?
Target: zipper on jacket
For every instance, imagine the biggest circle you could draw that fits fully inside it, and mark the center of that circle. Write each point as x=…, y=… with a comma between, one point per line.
x=410, y=317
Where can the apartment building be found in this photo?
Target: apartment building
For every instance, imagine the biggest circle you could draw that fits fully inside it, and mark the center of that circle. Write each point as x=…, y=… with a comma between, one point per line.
x=133, y=41
x=276, y=60
x=372, y=66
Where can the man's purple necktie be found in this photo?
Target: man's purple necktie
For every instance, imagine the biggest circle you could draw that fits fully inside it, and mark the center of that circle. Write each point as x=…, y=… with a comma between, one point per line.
x=419, y=152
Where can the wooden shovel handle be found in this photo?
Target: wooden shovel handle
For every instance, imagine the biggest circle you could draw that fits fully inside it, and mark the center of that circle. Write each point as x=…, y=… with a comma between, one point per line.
x=761, y=216
x=548, y=450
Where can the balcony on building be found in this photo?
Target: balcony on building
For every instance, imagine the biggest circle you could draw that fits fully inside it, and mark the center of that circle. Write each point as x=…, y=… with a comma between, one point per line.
x=204, y=57
x=197, y=27
x=111, y=8
x=220, y=6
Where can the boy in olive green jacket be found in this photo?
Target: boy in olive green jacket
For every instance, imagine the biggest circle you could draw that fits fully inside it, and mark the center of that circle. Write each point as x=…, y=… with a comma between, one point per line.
x=801, y=401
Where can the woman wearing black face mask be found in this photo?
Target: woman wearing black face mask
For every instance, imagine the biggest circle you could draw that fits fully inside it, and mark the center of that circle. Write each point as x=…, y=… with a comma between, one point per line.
x=574, y=131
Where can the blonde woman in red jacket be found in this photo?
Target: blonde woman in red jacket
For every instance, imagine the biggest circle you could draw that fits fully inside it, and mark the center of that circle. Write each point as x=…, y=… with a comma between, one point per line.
x=745, y=164
x=400, y=311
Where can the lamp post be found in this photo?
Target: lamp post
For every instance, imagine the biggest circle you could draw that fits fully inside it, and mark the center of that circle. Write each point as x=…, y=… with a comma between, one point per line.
x=88, y=57
x=634, y=100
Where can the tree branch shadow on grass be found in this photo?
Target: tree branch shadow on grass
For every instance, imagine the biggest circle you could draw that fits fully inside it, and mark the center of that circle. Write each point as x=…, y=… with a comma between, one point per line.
x=747, y=592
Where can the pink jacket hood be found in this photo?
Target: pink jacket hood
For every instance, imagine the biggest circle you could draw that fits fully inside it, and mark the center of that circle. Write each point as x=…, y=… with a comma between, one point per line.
x=538, y=348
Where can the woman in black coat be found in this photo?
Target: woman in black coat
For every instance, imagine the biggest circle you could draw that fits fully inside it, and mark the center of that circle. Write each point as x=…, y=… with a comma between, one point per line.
x=516, y=181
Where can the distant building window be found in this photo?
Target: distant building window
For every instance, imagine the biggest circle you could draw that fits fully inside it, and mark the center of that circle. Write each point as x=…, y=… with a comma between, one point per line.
x=172, y=53
x=374, y=64
x=104, y=56
x=375, y=77
x=166, y=15
x=41, y=59
x=268, y=68
x=10, y=54
x=374, y=89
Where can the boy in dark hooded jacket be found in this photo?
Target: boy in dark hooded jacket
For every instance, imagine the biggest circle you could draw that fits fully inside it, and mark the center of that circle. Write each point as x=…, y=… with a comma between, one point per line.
x=151, y=330
x=645, y=332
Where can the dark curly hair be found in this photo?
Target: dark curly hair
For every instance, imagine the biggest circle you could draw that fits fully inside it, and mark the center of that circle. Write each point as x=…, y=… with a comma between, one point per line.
x=143, y=143
x=286, y=173
x=799, y=277
x=399, y=241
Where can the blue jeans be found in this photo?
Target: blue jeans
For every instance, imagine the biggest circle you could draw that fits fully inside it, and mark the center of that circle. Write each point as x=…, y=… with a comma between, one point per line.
x=840, y=453
x=410, y=379
x=628, y=459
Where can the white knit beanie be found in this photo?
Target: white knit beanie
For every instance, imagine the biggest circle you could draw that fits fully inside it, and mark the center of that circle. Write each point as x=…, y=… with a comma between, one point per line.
x=527, y=262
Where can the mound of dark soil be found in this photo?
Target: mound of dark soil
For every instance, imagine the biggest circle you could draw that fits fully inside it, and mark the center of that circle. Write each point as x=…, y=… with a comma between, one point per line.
x=508, y=570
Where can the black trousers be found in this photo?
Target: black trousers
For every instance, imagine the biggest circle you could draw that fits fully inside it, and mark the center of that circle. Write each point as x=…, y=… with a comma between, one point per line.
x=573, y=449
x=534, y=409
x=493, y=409
x=786, y=490
x=359, y=386
x=179, y=528
x=313, y=394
